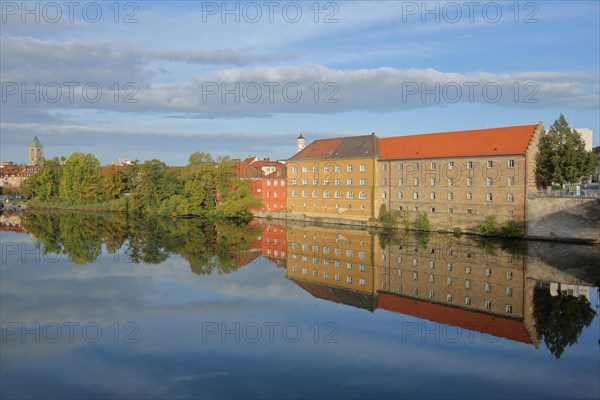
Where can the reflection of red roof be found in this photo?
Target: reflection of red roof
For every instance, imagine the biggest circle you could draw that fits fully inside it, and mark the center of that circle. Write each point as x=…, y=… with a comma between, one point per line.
x=338, y=295
x=480, y=322
x=482, y=142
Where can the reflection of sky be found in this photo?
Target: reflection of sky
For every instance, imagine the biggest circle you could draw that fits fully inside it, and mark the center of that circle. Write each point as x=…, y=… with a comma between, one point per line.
x=376, y=355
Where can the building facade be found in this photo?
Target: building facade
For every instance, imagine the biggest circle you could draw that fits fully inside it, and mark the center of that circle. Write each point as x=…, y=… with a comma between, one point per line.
x=267, y=182
x=458, y=179
x=334, y=178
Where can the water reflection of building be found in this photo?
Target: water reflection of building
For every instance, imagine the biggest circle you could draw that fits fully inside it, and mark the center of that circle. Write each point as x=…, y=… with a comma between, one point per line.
x=448, y=280
x=271, y=244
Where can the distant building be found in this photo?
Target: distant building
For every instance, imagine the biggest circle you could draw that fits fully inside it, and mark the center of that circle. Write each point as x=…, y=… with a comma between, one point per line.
x=12, y=176
x=36, y=151
x=120, y=162
x=267, y=181
x=586, y=135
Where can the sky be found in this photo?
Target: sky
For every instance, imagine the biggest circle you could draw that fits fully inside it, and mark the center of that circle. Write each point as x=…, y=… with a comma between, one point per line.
x=152, y=79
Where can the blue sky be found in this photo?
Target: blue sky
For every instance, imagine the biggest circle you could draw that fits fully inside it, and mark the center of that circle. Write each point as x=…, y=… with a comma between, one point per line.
x=250, y=81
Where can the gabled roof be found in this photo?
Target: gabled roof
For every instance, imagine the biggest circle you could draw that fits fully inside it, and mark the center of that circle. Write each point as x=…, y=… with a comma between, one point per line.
x=510, y=140
x=339, y=295
x=36, y=142
x=476, y=321
x=366, y=146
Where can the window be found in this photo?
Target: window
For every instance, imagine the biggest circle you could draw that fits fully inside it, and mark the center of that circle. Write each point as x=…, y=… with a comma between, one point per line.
x=337, y=168
x=304, y=271
x=488, y=272
x=433, y=166
x=305, y=193
x=362, y=167
x=489, y=181
x=315, y=273
x=467, y=284
x=467, y=301
x=400, y=167
x=349, y=182
x=384, y=195
x=450, y=164
x=511, y=181
x=362, y=195
x=469, y=196
x=400, y=181
x=400, y=195
x=304, y=169
x=268, y=183
x=449, y=281
x=490, y=164
x=509, y=275
x=487, y=304
x=349, y=279
x=362, y=268
x=488, y=287
x=338, y=182
x=326, y=194
x=449, y=298
x=326, y=275
x=362, y=255
x=349, y=194
x=450, y=196
x=415, y=291
x=315, y=182
x=399, y=287
x=511, y=163
x=384, y=180
x=510, y=198
x=326, y=181
x=294, y=182
x=338, y=194
x=384, y=166
x=509, y=291
x=467, y=270
x=337, y=277
x=294, y=193
x=450, y=181
x=489, y=197
x=431, y=279
x=415, y=276
x=508, y=309
x=326, y=168
x=451, y=211
x=432, y=195
x=349, y=167
x=315, y=194
x=295, y=169
x=304, y=182
x=416, y=195
x=469, y=181
x=432, y=181
x=416, y=181
x=315, y=169
x=361, y=282
x=416, y=166
x=362, y=182
x=431, y=294
x=469, y=164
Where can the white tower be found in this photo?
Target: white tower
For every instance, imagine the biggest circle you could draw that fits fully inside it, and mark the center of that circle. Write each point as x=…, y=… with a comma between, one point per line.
x=300, y=143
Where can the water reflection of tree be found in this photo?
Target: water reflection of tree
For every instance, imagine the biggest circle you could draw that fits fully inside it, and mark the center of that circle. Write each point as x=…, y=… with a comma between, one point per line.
x=206, y=246
x=560, y=319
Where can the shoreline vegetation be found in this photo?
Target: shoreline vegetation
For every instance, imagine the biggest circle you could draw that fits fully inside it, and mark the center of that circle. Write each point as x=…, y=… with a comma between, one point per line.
x=206, y=187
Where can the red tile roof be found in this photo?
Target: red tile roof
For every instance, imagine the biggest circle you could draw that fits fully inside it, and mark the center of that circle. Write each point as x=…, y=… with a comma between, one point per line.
x=476, y=321
x=481, y=142
x=366, y=146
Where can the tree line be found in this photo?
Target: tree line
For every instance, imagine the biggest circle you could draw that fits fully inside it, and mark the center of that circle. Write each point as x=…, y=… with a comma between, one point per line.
x=204, y=187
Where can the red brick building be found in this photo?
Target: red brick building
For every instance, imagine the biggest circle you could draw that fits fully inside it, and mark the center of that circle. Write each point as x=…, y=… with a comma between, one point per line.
x=267, y=181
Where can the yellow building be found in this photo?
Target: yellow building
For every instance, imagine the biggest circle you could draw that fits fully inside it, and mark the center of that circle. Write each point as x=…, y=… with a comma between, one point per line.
x=334, y=178
x=458, y=179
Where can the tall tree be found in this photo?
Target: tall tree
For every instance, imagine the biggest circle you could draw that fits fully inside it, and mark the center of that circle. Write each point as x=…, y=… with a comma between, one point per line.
x=562, y=157
x=44, y=184
x=80, y=181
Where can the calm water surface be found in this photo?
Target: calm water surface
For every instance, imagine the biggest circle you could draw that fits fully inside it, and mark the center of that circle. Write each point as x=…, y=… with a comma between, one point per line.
x=105, y=306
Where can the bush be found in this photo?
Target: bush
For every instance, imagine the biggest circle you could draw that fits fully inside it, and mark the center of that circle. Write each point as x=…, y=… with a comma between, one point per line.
x=422, y=223
x=457, y=231
x=488, y=227
x=512, y=228
x=387, y=218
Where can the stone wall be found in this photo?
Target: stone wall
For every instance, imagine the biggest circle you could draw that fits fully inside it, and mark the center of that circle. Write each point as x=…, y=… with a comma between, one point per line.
x=564, y=218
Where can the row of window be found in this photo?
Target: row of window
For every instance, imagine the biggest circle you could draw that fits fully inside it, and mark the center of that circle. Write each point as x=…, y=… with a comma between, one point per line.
x=337, y=277
x=433, y=166
x=276, y=183
x=327, y=168
x=326, y=194
x=451, y=182
x=327, y=182
x=510, y=197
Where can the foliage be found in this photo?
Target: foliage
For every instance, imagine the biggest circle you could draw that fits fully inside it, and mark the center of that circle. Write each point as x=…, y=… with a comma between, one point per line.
x=560, y=319
x=562, y=157
x=113, y=182
x=457, y=231
x=80, y=180
x=488, y=227
x=422, y=223
x=44, y=184
x=512, y=228
x=387, y=219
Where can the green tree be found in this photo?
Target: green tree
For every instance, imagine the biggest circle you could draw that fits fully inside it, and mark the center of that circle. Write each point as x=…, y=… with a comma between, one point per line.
x=562, y=157
x=80, y=180
x=113, y=182
x=44, y=185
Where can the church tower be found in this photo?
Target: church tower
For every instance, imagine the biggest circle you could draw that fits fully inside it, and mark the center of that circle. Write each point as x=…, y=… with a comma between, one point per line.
x=300, y=143
x=36, y=151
